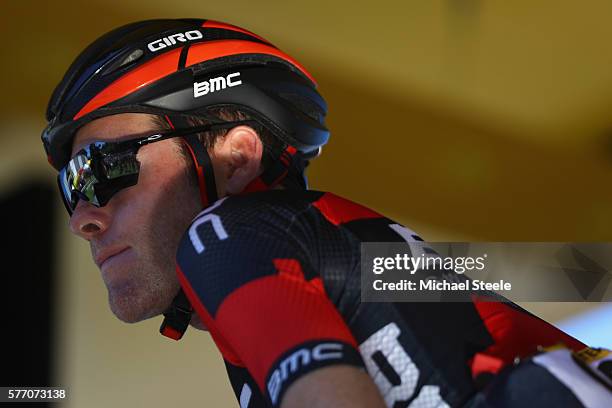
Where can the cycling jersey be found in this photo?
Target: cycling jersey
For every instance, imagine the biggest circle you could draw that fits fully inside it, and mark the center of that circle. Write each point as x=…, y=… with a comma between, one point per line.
x=275, y=277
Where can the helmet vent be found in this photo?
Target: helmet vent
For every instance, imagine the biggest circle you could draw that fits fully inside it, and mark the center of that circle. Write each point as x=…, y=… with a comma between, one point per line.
x=119, y=63
x=133, y=56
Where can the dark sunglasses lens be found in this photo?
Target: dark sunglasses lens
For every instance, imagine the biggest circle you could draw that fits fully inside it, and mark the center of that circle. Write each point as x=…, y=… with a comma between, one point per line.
x=79, y=181
x=120, y=165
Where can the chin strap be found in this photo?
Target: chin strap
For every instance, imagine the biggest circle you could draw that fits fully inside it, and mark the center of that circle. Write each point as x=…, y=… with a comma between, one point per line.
x=178, y=315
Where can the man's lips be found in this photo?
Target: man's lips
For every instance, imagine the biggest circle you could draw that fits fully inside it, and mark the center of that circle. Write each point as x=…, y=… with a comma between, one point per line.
x=106, y=254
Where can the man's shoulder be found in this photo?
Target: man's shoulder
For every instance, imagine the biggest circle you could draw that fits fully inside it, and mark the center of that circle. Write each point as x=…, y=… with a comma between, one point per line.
x=239, y=239
x=292, y=216
x=278, y=222
x=252, y=220
x=262, y=211
x=281, y=210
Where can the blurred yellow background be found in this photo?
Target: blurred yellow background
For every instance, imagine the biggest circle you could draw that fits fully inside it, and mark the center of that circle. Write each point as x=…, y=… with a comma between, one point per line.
x=465, y=120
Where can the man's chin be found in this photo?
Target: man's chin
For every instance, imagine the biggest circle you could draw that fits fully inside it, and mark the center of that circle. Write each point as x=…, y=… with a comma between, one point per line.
x=132, y=309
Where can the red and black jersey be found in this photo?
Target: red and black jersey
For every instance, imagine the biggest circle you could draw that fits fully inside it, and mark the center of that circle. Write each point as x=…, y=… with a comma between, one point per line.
x=275, y=277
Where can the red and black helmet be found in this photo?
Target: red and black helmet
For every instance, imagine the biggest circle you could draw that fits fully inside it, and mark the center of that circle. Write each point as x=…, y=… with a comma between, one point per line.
x=185, y=67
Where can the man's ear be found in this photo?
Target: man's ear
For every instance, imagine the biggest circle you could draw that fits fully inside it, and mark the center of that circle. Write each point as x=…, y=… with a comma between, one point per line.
x=240, y=152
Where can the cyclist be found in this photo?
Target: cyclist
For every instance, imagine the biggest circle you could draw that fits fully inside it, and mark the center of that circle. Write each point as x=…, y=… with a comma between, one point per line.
x=181, y=147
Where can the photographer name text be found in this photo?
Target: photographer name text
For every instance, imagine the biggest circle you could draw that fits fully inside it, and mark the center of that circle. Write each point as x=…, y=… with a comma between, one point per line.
x=441, y=285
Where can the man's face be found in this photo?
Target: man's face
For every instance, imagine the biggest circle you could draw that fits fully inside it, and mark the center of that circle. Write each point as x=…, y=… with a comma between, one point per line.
x=134, y=238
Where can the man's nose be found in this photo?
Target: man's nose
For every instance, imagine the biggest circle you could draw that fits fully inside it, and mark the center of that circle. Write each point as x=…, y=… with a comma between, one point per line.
x=89, y=221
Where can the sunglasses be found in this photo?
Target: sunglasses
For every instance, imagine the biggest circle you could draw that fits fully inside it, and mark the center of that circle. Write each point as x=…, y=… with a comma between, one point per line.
x=100, y=170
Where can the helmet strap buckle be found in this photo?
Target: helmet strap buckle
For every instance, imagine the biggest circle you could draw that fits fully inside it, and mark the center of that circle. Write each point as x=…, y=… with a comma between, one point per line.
x=177, y=317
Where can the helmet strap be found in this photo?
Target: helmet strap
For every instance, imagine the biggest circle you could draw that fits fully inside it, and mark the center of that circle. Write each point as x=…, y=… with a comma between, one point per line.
x=178, y=315
x=201, y=161
x=204, y=170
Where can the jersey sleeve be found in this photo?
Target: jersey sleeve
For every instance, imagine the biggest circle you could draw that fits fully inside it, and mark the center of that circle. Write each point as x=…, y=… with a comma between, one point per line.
x=265, y=306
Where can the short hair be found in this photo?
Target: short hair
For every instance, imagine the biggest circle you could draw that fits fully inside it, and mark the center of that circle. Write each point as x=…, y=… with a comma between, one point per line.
x=272, y=146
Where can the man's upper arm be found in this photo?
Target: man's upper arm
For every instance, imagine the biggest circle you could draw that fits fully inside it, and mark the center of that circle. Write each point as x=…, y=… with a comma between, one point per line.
x=263, y=303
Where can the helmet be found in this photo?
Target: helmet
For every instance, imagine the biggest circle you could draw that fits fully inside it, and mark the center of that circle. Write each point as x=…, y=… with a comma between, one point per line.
x=183, y=68
x=186, y=67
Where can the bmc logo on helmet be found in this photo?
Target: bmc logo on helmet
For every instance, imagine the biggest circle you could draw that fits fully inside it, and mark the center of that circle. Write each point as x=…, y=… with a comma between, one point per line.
x=172, y=40
x=215, y=84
